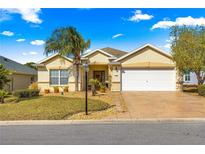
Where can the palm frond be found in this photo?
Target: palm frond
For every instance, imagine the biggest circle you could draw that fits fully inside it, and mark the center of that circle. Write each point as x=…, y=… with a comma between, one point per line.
x=66, y=41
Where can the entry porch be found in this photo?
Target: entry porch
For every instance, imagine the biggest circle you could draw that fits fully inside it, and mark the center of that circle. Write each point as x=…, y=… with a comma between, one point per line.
x=101, y=72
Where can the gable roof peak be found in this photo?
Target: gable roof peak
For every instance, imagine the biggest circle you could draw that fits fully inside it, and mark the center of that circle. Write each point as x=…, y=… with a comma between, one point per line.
x=55, y=54
x=97, y=50
x=115, y=52
x=142, y=47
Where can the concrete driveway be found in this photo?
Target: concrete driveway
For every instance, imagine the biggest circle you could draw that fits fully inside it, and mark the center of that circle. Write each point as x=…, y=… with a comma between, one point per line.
x=164, y=105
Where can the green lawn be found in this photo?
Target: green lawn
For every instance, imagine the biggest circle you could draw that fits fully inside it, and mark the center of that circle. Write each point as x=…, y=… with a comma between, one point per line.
x=48, y=108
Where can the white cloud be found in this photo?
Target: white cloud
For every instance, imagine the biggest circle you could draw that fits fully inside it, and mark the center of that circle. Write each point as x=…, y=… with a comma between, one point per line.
x=28, y=14
x=163, y=24
x=168, y=45
x=20, y=40
x=33, y=53
x=180, y=21
x=117, y=35
x=37, y=42
x=24, y=53
x=29, y=53
x=138, y=16
x=88, y=50
x=7, y=33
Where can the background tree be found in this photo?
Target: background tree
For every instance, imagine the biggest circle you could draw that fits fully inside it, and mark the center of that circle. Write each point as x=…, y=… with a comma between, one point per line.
x=188, y=50
x=68, y=41
x=4, y=76
x=31, y=65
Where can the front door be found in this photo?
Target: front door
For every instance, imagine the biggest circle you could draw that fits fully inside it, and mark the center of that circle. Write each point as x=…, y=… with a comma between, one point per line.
x=99, y=75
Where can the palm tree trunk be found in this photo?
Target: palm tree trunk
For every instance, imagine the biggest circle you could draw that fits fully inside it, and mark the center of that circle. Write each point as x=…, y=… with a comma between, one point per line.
x=77, y=78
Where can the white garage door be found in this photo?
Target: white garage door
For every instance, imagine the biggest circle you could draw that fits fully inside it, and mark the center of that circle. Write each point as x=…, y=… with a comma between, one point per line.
x=148, y=80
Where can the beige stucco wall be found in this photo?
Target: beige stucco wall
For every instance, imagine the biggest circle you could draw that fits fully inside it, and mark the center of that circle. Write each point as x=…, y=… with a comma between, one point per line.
x=116, y=71
x=20, y=81
x=56, y=63
x=146, y=55
x=115, y=86
x=115, y=77
x=43, y=74
x=98, y=58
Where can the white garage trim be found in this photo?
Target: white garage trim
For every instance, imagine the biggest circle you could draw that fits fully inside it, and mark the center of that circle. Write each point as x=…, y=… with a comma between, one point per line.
x=148, y=79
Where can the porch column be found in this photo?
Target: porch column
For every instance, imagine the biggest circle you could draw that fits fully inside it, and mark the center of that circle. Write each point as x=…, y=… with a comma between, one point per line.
x=116, y=77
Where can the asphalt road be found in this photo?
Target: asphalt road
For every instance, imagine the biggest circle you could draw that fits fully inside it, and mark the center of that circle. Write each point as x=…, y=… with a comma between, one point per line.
x=105, y=133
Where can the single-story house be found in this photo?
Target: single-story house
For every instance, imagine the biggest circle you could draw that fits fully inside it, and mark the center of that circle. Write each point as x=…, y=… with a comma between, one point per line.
x=147, y=68
x=22, y=76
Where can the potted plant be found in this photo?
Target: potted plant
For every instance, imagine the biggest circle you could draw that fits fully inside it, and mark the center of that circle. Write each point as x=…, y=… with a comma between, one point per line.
x=102, y=88
x=93, y=83
x=65, y=89
x=56, y=89
x=46, y=91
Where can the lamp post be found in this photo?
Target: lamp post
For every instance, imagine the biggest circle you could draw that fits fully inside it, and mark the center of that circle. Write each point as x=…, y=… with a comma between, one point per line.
x=86, y=88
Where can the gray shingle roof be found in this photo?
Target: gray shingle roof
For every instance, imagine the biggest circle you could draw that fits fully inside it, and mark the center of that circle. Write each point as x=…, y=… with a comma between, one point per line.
x=16, y=67
x=115, y=52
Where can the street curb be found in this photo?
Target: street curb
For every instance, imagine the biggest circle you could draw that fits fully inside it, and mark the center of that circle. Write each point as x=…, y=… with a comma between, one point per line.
x=114, y=121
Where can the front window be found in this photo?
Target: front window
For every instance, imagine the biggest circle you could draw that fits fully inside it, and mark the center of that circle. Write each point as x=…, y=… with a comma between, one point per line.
x=58, y=77
x=63, y=77
x=187, y=77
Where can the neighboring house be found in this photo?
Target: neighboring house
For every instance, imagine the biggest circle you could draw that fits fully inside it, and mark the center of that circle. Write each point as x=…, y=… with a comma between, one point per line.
x=190, y=78
x=22, y=76
x=147, y=68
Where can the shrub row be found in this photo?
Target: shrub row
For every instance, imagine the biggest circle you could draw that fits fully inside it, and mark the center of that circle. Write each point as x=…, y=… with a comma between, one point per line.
x=11, y=99
x=27, y=93
x=190, y=85
x=195, y=89
x=201, y=90
x=192, y=88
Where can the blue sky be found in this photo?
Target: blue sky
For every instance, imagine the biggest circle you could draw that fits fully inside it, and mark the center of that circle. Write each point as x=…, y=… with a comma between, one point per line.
x=24, y=31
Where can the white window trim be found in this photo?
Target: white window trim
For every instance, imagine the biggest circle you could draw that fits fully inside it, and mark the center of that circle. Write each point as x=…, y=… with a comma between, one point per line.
x=59, y=85
x=187, y=75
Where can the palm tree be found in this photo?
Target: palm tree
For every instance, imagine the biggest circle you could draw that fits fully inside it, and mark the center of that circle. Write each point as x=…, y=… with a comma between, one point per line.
x=68, y=41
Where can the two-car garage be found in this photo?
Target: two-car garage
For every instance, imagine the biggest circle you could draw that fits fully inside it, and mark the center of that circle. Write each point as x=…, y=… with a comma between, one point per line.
x=148, y=80
x=147, y=69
